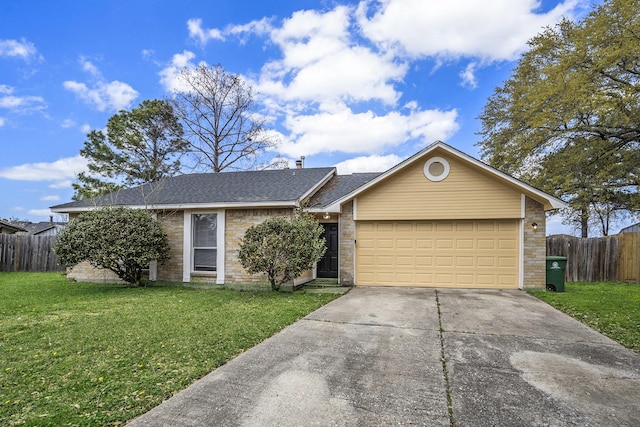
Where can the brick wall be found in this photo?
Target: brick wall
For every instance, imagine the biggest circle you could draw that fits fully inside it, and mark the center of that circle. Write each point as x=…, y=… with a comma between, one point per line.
x=534, y=245
x=237, y=221
x=346, y=239
x=173, y=224
x=85, y=272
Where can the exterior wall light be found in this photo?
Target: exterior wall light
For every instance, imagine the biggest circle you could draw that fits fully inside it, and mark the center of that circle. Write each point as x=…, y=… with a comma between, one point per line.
x=534, y=226
x=326, y=215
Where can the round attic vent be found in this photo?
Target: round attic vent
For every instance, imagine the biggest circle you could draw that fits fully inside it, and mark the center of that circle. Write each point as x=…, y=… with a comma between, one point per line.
x=436, y=169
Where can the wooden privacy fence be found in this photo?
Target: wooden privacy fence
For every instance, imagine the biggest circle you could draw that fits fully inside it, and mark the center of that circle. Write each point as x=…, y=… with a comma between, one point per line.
x=28, y=253
x=596, y=259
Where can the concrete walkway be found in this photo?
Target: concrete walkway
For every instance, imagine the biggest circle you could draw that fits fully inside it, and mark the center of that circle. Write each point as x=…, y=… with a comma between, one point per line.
x=432, y=357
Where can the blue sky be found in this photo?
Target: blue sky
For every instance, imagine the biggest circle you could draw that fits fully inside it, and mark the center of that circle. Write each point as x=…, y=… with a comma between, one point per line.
x=356, y=84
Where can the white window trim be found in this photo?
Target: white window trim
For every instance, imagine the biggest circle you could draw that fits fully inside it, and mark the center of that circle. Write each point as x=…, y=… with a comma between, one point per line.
x=187, y=241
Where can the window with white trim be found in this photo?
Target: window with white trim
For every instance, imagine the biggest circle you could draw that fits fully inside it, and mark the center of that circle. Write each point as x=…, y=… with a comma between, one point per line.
x=205, y=243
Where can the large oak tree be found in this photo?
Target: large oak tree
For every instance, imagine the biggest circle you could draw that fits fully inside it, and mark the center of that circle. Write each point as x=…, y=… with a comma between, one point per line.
x=568, y=118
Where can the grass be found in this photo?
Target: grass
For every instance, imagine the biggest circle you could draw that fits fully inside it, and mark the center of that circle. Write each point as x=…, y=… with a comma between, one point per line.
x=101, y=354
x=610, y=308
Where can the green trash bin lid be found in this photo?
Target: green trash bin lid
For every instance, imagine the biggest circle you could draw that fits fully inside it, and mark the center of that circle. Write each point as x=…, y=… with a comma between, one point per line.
x=556, y=258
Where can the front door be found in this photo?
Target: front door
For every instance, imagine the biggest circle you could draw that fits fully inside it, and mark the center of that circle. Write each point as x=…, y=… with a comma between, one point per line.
x=328, y=265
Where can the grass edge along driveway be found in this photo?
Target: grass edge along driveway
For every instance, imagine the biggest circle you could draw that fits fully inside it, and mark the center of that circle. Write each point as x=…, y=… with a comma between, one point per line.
x=101, y=354
x=611, y=308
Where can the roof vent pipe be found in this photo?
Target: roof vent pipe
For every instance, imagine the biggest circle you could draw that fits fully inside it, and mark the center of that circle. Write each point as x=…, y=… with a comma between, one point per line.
x=299, y=164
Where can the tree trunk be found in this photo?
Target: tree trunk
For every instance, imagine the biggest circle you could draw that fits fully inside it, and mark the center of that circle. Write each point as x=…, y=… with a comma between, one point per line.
x=584, y=223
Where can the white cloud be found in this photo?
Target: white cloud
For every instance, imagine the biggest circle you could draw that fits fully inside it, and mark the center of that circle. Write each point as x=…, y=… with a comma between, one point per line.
x=2, y=121
x=54, y=171
x=258, y=27
x=21, y=49
x=40, y=212
x=203, y=36
x=50, y=198
x=6, y=89
x=351, y=73
x=348, y=132
x=90, y=68
x=22, y=104
x=169, y=75
x=368, y=164
x=103, y=95
x=490, y=30
x=85, y=128
x=111, y=96
x=67, y=123
x=66, y=183
x=468, y=76
x=320, y=62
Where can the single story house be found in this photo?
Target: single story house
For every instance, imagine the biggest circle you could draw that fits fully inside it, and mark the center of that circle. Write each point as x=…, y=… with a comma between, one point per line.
x=440, y=218
x=9, y=228
x=42, y=228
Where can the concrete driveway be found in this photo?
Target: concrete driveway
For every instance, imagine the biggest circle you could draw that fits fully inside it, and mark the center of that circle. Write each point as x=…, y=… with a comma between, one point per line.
x=433, y=357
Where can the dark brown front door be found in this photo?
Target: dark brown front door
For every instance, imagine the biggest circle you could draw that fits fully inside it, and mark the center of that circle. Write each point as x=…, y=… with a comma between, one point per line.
x=328, y=265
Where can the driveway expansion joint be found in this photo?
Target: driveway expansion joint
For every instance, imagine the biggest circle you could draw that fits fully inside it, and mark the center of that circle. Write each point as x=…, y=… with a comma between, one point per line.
x=443, y=359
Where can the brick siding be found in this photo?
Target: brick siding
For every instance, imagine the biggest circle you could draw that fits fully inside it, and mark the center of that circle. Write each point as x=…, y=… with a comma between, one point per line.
x=237, y=222
x=346, y=239
x=534, y=245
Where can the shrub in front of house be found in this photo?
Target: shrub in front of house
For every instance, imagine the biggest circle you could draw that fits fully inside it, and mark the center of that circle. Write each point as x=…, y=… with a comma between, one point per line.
x=119, y=239
x=282, y=248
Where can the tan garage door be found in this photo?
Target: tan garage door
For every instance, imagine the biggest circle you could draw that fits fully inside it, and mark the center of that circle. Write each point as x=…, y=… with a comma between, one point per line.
x=464, y=254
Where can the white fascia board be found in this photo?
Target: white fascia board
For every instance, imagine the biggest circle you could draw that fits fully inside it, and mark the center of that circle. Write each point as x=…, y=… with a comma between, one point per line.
x=319, y=185
x=554, y=202
x=182, y=206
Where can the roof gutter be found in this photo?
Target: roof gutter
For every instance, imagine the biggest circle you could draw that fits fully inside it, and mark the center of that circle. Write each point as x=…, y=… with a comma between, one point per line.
x=180, y=206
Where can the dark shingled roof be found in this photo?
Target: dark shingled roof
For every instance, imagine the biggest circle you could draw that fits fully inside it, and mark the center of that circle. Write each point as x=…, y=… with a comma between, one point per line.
x=284, y=185
x=339, y=186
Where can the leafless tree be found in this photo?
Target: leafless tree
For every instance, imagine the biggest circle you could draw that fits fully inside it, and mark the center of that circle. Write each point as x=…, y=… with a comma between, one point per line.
x=217, y=110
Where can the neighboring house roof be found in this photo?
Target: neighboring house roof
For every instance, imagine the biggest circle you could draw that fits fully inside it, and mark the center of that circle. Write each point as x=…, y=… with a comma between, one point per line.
x=631, y=229
x=43, y=226
x=549, y=201
x=34, y=228
x=8, y=228
x=284, y=187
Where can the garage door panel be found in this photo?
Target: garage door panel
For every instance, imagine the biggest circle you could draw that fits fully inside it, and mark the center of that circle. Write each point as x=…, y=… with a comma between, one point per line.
x=404, y=243
x=424, y=243
x=424, y=261
x=486, y=244
x=462, y=244
x=444, y=244
x=464, y=261
x=484, y=262
x=480, y=253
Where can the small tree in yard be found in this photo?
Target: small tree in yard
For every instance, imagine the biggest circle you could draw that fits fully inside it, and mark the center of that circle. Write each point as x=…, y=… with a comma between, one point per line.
x=282, y=248
x=122, y=240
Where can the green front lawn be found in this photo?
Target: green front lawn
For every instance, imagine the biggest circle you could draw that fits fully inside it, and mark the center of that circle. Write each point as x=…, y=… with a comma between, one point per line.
x=101, y=354
x=610, y=308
